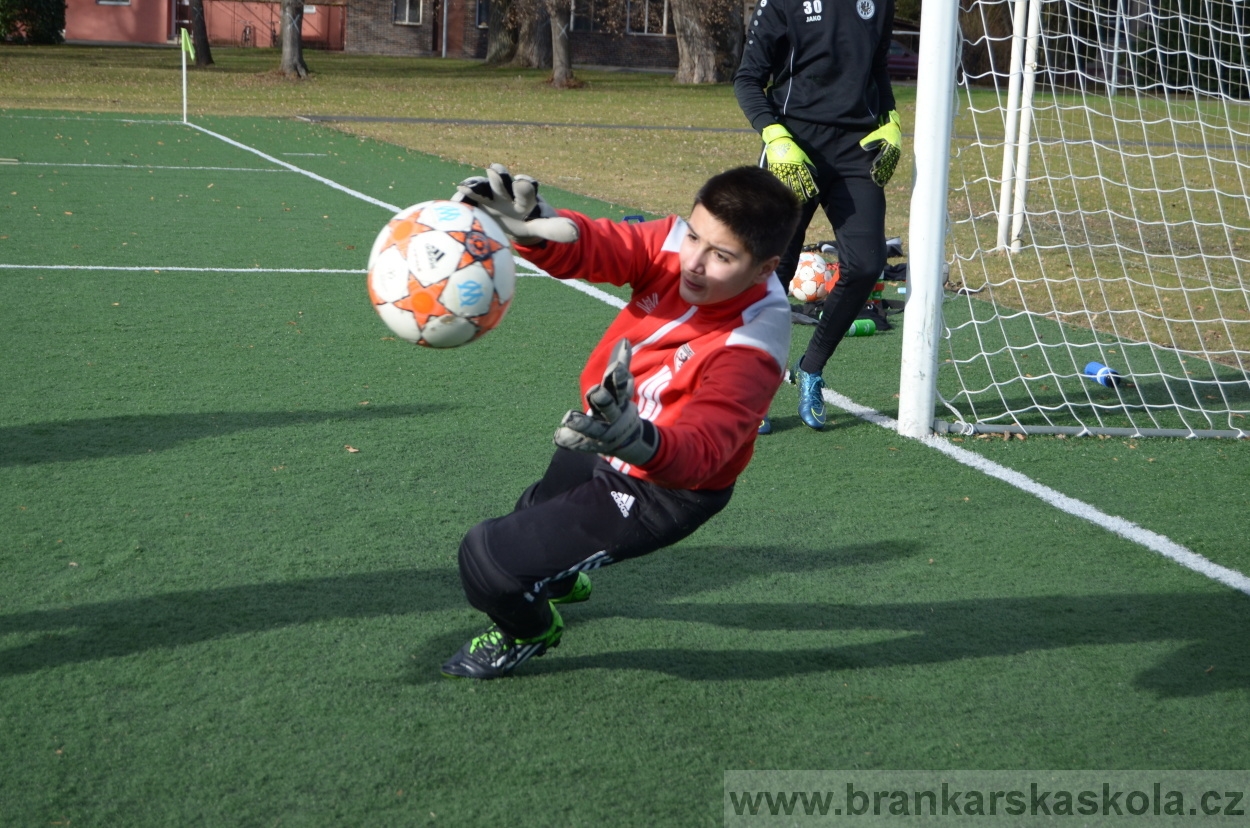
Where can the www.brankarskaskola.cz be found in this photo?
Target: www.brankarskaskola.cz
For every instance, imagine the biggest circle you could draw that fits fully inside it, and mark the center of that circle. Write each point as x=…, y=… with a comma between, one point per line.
x=949, y=801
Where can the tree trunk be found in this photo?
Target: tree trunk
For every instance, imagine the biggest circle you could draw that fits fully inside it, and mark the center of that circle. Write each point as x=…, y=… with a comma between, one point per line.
x=731, y=39
x=199, y=35
x=696, y=43
x=987, y=39
x=293, y=65
x=533, y=49
x=561, y=58
x=500, y=34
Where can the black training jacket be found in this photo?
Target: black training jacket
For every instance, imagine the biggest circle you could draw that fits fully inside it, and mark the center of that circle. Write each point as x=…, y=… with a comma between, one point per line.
x=826, y=60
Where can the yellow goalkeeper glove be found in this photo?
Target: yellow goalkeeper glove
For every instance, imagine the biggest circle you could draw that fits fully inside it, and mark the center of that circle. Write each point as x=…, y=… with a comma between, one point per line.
x=788, y=162
x=887, y=140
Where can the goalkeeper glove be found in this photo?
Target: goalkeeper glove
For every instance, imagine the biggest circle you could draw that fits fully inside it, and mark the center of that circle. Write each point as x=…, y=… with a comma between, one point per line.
x=613, y=426
x=887, y=140
x=788, y=162
x=515, y=203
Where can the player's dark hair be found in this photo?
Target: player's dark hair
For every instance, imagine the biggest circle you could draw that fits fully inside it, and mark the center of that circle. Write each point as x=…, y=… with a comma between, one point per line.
x=760, y=210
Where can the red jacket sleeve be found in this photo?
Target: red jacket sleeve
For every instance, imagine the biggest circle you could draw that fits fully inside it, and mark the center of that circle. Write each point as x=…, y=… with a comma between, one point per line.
x=605, y=251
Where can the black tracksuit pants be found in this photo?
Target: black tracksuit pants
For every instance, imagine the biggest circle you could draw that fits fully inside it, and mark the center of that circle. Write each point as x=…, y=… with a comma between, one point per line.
x=855, y=206
x=582, y=514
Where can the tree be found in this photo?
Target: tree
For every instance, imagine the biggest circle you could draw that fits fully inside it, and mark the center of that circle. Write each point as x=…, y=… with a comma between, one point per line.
x=199, y=35
x=501, y=33
x=533, y=49
x=986, y=41
x=560, y=12
x=293, y=65
x=709, y=39
x=32, y=21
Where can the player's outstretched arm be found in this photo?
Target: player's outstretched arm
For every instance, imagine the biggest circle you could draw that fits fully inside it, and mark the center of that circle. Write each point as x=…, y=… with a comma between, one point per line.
x=514, y=201
x=613, y=426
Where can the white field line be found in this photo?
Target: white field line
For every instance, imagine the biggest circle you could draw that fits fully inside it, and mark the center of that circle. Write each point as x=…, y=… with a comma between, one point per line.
x=149, y=167
x=179, y=269
x=1117, y=525
x=1128, y=530
x=319, y=178
x=533, y=272
x=74, y=118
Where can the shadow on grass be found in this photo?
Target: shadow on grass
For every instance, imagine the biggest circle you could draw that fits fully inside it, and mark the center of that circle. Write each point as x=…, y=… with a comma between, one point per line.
x=111, y=629
x=839, y=424
x=1212, y=652
x=119, y=628
x=62, y=441
x=1216, y=655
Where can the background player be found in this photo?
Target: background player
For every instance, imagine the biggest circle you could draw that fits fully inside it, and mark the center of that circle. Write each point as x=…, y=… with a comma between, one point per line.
x=813, y=82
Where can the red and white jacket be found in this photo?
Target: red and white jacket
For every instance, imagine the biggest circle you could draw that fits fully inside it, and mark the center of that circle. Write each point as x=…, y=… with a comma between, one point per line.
x=704, y=375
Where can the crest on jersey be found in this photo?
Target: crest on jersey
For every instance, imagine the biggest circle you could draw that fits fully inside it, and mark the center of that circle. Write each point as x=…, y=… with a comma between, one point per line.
x=866, y=9
x=683, y=355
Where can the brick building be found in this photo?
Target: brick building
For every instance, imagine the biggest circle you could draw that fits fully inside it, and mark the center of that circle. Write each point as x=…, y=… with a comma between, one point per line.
x=457, y=28
x=229, y=22
x=640, y=35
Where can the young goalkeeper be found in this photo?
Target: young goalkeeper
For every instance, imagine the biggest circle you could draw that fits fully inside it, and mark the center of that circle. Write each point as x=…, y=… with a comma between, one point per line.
x=673, y=393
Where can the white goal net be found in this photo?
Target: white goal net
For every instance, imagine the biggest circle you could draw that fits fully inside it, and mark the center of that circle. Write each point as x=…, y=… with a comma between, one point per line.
x=1099, y=217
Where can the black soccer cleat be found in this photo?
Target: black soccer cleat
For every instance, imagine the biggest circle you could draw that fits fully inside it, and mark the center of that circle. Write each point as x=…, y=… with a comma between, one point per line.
x=495, y=654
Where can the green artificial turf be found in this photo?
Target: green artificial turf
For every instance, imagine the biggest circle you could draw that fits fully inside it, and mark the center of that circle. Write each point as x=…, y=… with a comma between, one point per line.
x=230, y=504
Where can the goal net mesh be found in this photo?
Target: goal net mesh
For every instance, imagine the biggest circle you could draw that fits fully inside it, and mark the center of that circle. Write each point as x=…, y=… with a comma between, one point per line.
x=1098, y=215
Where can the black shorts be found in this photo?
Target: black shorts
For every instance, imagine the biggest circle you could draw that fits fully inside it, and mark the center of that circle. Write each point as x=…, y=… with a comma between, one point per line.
x=583, y=514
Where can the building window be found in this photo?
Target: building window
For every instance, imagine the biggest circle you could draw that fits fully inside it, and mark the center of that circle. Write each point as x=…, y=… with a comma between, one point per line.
x=408, y=12
x=112, y=2
x=581, y=15
x=648, y=17
x=483, y=14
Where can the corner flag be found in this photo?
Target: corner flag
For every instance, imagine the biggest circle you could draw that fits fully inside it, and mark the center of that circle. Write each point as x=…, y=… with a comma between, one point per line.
x=187, y=49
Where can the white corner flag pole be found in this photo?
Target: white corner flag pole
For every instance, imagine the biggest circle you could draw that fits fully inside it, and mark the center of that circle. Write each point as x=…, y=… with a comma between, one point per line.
x=185, y=47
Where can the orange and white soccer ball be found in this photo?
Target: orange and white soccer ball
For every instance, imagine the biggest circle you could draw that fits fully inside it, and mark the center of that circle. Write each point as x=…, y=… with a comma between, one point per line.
x=813, y=278
x=441, y=274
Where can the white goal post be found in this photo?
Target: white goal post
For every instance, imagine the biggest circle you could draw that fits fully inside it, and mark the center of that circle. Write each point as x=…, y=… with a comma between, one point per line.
x=1080, y=223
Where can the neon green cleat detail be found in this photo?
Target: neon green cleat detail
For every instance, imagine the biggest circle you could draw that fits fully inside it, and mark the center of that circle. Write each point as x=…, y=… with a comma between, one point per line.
x=580, y=592
x=494, y=653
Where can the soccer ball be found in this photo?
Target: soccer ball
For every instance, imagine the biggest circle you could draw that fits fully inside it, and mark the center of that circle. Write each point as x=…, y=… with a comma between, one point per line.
x=441, y=274
x=813, y=278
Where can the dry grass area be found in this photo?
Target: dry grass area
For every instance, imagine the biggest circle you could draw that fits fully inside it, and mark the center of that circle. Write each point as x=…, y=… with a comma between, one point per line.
x=655, y=170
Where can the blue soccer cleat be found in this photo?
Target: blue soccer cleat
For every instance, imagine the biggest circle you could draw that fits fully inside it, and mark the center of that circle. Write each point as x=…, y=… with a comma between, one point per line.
x=811, y=397
x=766, y=426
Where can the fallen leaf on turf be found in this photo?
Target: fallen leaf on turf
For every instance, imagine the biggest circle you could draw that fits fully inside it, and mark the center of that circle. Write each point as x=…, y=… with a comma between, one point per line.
x=352, y=450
